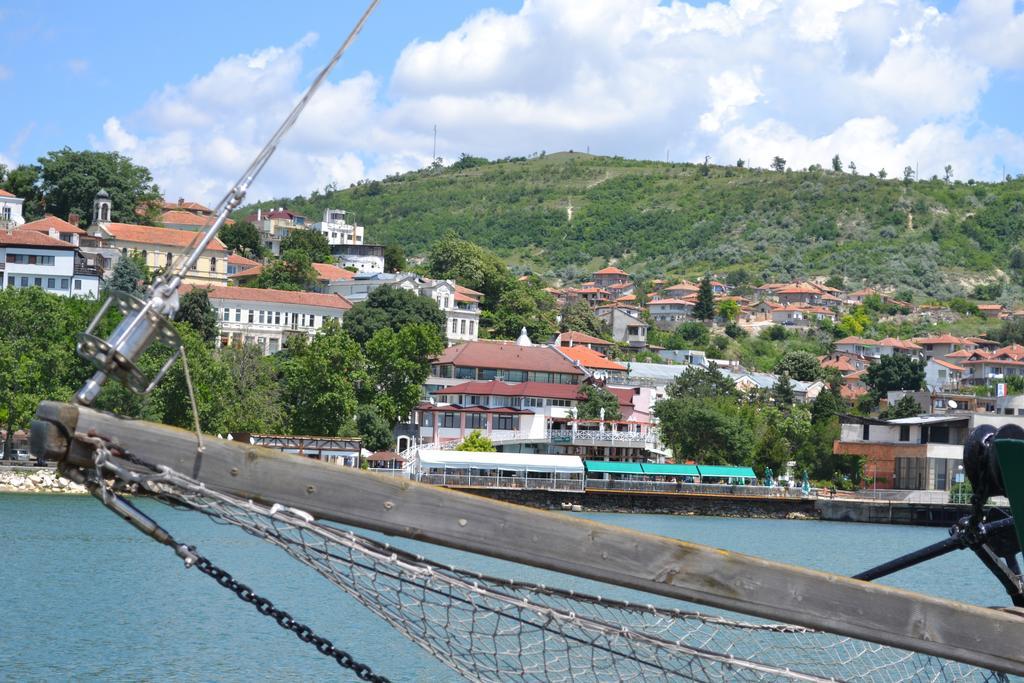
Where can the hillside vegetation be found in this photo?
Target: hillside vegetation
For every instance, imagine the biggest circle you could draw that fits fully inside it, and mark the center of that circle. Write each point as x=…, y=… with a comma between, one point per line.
x=652, y=218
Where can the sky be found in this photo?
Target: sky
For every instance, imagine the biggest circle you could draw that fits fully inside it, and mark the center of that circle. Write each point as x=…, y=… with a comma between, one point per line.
x=192, y=90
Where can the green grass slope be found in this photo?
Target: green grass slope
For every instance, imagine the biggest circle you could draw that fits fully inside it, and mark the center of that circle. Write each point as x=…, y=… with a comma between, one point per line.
x=658, y=218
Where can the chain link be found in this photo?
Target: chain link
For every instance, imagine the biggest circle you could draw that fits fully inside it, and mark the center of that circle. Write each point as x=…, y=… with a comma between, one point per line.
x=285, y=621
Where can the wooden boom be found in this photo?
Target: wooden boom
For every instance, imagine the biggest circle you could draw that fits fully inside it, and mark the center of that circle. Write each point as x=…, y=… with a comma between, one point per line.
x=672, y=568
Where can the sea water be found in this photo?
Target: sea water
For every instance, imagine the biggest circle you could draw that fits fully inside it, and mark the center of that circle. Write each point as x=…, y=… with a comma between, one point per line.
x=85, y=596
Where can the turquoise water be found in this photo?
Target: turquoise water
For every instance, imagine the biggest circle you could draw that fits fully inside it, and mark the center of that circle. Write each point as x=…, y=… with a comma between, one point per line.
x=85, y=596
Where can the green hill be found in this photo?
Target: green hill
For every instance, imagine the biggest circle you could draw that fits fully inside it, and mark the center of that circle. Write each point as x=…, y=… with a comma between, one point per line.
x=657, y=218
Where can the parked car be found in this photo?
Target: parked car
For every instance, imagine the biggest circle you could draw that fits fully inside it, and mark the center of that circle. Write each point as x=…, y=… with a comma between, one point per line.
x=22, y=454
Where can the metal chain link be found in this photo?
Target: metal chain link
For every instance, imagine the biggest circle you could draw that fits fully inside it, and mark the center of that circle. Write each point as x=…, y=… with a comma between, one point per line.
x=285, y=621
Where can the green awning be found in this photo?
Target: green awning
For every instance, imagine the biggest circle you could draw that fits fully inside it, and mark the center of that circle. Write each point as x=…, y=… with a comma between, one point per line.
x=671, y=470
x=722, y=471
x=614, y=467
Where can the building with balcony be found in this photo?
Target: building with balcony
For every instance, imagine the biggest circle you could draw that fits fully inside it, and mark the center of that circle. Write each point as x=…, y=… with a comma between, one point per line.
x=266, y=318
x=326, y=273
x=10, y=210
x=501, y=360
x=668, y=313
x=606, y=277
x=626, y=325
x=238, y=264
x=161, y=248
x=337, y=230
x=274, y=225
x=30, y=258
x=365, y=258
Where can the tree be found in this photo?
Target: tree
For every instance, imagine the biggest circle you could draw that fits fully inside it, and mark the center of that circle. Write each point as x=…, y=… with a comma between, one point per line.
x=579, y=316
x=524, y=306
x=948, y=173
x=729, y=310
x=800, y=365
x=704, y=309
x=734, y=331
x=255, y=403
x=394, y=308
x=882, y=174
x=710, y=431
x=853, y=168
x=905, y=407
x=321, y=381
x=778, y=164
x=467, y=161
x=1015, y=385
x=698, y=382
x=242, y=237
x=476, y=443
x=894, y=373
x=71, y=179
x=394, y=259
x=837, y=164
x=374, y=429
x=827, y=405
x=313, y=244
x=596, y=399
x=195, y=309
x=452, y=258
x=293, y=272
x=127, y=276
x=908, y=174
x=689, y=335
x=397, y=364
x=740, y=163
x=782, y=391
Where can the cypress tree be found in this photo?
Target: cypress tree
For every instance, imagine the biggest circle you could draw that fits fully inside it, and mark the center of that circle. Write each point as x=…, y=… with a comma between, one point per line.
x=705, y=308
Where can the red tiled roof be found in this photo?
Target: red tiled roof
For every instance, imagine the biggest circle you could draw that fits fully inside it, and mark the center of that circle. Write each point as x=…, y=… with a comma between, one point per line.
x=277, y=296
x=186, y=206
x=237, y=260
x=627, y=299
x=469, y=292
x=249, y=272
x=842, y=364
x=964, y=353
x=31, y=238
x=507, y=355
x=856, y=340
x=899, y=344
x=183, y=218
x=670, y=301
x=581, y=338
x=384, y=456
x=147, y=234
x=329, y=272
x=941, y=339
x=990, y=307
x=589, y=358
x=995, y=361
x=800, y=288
x=955, y=368
x=620, y=285
x=1013, y=350
x=48, y=221
x=611, y=270
x=5, y=193
x=683, y=286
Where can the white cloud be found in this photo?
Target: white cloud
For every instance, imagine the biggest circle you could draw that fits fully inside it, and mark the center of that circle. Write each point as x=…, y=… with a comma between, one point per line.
x=78, y=66
x=883, y=82
x=5, y=72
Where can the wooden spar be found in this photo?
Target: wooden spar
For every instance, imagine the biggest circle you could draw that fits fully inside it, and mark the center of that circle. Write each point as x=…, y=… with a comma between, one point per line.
x=676, y=569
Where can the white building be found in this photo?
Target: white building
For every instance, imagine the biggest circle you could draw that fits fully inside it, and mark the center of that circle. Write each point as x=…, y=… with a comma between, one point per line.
x=337, y=230
x=10, y=210
x=274, y=225
x=460, y=305
x=29, y=258
x=365, y=258
x=267, y=317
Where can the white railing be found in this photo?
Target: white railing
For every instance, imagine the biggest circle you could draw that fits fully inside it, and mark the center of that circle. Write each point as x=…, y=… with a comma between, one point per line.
x=585, y=436
x=707, y=489
x=481, y=481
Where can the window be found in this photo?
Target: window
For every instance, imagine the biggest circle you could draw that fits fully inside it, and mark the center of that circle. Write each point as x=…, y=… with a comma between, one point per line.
x=506, y=422
x=51, y=283
x=277, y=317
x=560, y=402
x=7, y=213
x=476, y=421
x=169, y=259
x=226, y=314
x=39, y=282
x=465, y=373
x=261, y=316
x=450, y=420
x=471, y=323
x=63, y=283
x=252, y=316
x=904, y=432
x=78, y=285
x=144, y=254
x=213, y=264
x=238, y=315
x=24, y=281
x=11, y=280
x=454, y=323
x=462, y=327
x=865, y=432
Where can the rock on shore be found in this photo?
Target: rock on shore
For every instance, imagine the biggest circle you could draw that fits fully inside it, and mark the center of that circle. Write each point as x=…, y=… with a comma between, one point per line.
x=35, y=480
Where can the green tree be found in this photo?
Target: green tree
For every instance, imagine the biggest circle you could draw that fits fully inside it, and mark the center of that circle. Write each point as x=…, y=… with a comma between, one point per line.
x=128, y=276
x=1015, y=385
x=397, y=364
x=704, y=309
x=782, y=391
x=826, y=405
x=854, y=323
x=905, y=407
x=698, y=382
x=321, y=381
x=293, y=271
x=707, y=430
x=476, y=443
x=71, y=179
x=471, y=266
x=578, y=316
x=837, y=164
x=778, y=164
x=374, y=429
x=594, y=400
x=883, y=174
x=800, y=365
x=894, y=373
x=242, y=237
x=255, y=403
x=729, y=310
x=521, y=305
x=23, y=181
x=908, y=174
x=195, y=309
x=313, y=244
x=394, y=308
x=689, y=335
x=394, y=259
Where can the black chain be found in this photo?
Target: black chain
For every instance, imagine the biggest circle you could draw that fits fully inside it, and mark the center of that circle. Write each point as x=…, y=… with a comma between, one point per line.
x=285, y=621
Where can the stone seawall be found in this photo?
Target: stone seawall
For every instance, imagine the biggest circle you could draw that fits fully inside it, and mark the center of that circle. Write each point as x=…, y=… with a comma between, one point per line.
x=654, y=503
x=35, y=480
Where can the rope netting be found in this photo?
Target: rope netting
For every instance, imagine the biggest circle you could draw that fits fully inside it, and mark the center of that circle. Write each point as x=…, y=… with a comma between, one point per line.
x=495, y=629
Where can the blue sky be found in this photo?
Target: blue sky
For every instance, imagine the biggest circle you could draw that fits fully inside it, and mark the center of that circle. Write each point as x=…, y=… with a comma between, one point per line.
x=192, y=89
